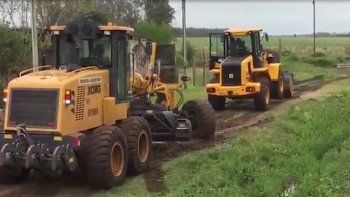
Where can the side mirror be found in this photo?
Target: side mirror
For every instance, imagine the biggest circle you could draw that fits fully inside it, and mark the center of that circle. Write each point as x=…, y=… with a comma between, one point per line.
x=148, y=48
x=211, y=64
x=185, y=78
x=266, y=37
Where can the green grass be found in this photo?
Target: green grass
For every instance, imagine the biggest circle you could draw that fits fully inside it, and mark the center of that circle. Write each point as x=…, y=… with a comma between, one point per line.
x=305, y=152
x=135, y=186
x=192, y=93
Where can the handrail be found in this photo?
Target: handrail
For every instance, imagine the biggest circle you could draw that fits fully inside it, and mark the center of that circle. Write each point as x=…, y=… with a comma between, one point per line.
x=49, y=66
x=32, y=70
x=84, y=68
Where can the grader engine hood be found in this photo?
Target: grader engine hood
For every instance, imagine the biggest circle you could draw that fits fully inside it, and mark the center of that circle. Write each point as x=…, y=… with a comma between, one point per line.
x=44, y=100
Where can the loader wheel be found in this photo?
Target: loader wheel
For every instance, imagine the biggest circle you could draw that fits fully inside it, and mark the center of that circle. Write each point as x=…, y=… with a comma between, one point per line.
x=107, y=157
x=217, y=102
x=277, y=88
x=289, y=86
x=262, y=99
x=138, y=136
x=202, y=118
x=13, y=175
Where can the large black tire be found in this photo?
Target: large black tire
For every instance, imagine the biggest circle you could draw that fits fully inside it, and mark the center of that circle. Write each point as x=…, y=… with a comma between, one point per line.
x=107, y=157
x=217, y=102
x=13, y=175
x=138, y=136
x=262, y=99
x=289, y=86
x=202, y=118
x=277, y=87
x=161, y=98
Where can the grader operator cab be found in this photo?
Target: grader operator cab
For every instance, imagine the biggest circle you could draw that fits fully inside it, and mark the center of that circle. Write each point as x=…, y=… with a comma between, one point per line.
x=91, y=111
x=242, y=69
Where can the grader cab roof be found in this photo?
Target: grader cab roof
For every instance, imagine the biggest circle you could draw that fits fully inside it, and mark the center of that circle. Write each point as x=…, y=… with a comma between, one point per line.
x=109, y=27
x=242, y=31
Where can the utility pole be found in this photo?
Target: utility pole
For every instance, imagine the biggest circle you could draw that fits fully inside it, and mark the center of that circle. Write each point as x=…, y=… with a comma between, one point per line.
x=34, y=36
x=313, y=2
x=184, y=38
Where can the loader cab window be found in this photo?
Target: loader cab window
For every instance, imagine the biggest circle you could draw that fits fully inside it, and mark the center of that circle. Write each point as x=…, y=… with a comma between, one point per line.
x=217, y=46
x=257, y=48
x=240, y=46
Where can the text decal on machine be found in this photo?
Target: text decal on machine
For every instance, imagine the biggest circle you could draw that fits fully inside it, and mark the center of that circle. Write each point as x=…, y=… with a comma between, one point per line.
x=90, y=80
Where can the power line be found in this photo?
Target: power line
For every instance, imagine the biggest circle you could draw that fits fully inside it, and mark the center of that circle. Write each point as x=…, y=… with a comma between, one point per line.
x=313, y=2
x=34, y=36
x=184, y=38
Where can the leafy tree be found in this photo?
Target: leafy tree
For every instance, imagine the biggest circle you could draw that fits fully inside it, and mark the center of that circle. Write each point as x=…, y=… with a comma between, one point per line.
x=159, y=11
x=15, y=51
x=162, y=34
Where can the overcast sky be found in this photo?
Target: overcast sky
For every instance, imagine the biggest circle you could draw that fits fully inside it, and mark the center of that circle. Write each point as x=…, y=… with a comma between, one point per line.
x=275, y=17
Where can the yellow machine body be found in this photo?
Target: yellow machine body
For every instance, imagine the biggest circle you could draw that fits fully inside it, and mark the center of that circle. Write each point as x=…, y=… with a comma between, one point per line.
x=247, y=86
x=91, y=105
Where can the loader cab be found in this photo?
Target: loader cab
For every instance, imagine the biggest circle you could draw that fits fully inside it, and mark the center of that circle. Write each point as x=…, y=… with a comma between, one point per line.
x=80, y=45
x=238, y=43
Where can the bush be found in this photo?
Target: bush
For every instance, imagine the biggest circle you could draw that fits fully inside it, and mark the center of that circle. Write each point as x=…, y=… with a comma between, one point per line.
x=162, y=34
x=191, y=52
x=288, y=55
x=318, y=54
x=322, y=61
x=347, y=51
x=15, y=51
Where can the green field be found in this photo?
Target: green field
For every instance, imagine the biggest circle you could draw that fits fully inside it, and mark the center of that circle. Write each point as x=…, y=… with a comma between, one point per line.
x=302, y=153
x=324, y=44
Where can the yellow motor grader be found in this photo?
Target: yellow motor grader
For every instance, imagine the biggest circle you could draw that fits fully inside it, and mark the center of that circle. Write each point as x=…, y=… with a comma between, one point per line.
x=91, y=111
x=243, y=69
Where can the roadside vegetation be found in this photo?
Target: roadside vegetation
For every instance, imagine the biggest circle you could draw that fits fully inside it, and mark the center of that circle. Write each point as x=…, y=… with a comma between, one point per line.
x=304, y=152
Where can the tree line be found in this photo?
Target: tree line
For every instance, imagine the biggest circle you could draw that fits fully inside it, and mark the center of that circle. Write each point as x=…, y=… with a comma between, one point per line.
x=150, y=18
x=197, y=32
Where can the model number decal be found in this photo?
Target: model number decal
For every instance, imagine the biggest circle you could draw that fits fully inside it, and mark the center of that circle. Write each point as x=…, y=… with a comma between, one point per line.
x=90, y=80
x=95, y=89
x=93, y=112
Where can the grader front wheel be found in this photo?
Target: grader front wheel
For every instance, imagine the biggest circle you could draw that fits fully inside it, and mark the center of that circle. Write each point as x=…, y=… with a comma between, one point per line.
x=107, y=157
x=138, y=135
x=202, y=118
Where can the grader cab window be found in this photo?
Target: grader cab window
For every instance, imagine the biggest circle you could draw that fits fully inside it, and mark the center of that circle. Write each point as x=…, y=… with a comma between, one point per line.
x=91, y=52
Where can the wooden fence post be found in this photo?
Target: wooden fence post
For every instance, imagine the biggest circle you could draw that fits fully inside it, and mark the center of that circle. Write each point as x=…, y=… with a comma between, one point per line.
x=194, y=70
x=280, y=48
x=204, y=65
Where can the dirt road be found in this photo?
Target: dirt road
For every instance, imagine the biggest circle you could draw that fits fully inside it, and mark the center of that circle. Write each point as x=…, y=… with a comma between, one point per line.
x=238, y=116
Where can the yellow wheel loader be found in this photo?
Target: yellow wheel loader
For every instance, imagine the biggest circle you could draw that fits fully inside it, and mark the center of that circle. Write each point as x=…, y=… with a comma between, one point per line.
x=241, y=68
x=91, y=111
